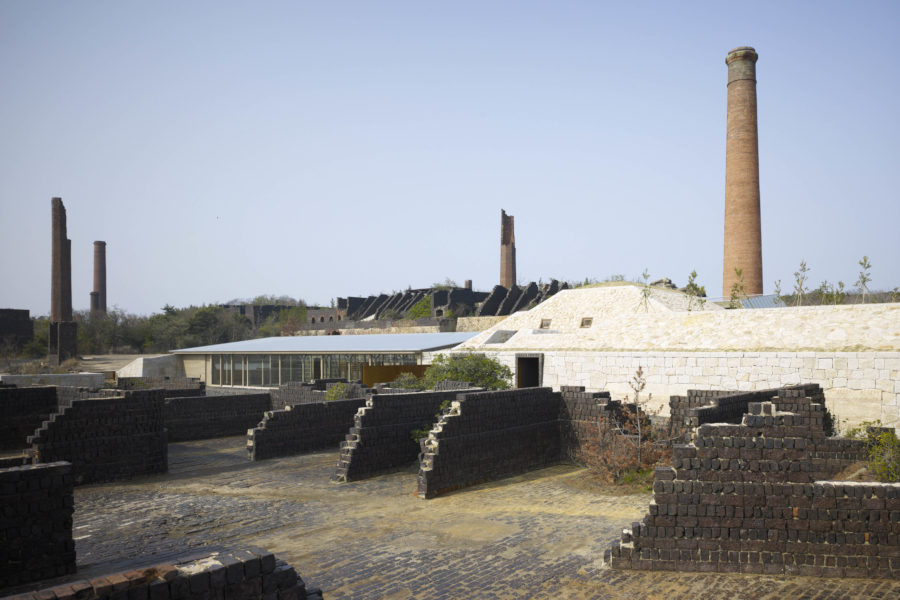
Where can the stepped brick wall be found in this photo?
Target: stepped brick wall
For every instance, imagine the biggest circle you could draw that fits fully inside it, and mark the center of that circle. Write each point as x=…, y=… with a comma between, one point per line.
x=490, y=435
x=579, y=416
x=176, y=387
x=755, y=498
x=252, y=574
x=36, y=525
x=213, y=416
x=302, y=428
x=381, y=439
x=712, y=406
x=106, y=439
x=22, y=411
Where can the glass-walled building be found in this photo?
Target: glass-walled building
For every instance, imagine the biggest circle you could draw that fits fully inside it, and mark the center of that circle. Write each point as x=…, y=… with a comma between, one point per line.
x=271, y=362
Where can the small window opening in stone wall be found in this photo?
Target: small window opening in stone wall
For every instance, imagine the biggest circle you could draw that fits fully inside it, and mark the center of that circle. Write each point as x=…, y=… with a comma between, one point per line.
x=586, y=322
x=321, y=319
x=313, y=320
x=439, y=313
x=545, y=323
x=339, y=317
x=331, y=319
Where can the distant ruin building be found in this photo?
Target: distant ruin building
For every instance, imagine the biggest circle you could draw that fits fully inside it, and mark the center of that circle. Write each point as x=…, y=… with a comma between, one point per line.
x=16, y=327
x=507, y=250
x=98, y=296
x=743, y=233
x=63, y=342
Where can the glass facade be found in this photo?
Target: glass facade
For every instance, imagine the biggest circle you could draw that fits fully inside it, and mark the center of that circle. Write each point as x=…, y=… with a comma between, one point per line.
x=272, y=370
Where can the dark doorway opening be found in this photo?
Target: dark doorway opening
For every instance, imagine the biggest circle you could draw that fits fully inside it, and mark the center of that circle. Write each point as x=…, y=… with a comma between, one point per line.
x=528, y=370
x=317, y=368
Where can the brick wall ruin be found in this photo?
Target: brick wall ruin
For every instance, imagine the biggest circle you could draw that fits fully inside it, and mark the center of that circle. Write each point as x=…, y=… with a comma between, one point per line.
x=16, y=326
x=754, y=497
x=252, y=574
x=490, y=435
x=203, y=418
x=23, y=410
x=302, y=428
x=175, y=387
x=380, y=441
x=108, y=438
x=36, y=525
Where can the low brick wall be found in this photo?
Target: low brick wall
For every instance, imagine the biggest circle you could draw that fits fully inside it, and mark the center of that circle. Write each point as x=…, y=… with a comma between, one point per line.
x=580, y=413
x=213, y=416
x=381, y=439
x=107, y=439
x=302, y=428
x=748, y=498
x=301, y=392
x=491, y=435
x=22, y=411
x=252, y=574
x=36, y=523
x=175, y=387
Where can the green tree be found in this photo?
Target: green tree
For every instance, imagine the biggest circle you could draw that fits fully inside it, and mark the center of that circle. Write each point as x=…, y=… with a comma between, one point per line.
x=864, y=278
x=737, y=290
x=448, y=284
x=696, y=293
x=421, y=309
x=473, y=368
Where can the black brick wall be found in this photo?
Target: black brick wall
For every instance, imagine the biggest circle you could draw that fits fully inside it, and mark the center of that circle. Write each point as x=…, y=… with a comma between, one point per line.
x=22, y=411
x=302, y=428
x=213, y=416
x=107, y=439
x=36, y=523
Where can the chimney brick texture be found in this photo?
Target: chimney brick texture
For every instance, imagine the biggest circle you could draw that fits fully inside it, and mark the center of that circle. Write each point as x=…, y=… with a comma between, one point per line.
x=61, y=266
x=743, y=232
x=99, y=277
x=507, y=250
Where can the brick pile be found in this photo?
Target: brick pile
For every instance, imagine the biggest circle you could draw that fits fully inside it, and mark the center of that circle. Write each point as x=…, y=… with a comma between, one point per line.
x=302, y=428
x=301, y=392
x=253, y=574
x=107, y=439
x=23, y=410
x=381, y=440
x=176, y=387
x=750, y=498
x=490, y=435
x=36, y=507
x=213, y=416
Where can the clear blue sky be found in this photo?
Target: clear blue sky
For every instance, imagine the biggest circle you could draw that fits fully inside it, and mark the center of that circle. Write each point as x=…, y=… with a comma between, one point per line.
x=323, y=149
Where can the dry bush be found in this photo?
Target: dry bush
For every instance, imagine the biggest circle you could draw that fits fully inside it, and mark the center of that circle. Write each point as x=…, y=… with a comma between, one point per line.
x=612, y=451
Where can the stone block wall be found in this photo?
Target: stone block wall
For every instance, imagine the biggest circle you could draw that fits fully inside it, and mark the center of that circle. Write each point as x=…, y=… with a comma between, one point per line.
x=22, y=410
x=252, y=574
x=381, y=439
x=302, y=428
x=750, y=498
x=213, y=416
x=490, y=435
x=859, y=386
x=106, y=439
x=36, y=507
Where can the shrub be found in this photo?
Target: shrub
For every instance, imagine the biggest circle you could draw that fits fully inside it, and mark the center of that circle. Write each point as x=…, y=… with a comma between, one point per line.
x=421, y=309
x=477, y=369
x=409, y=381
x=337, y=392
x=884, y=457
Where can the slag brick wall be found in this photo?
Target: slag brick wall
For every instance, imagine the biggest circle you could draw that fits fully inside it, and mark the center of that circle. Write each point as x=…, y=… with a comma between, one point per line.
x=22, y=411
x=106, y=439
x=208, y=417
x=755, y=498
x=36, y=525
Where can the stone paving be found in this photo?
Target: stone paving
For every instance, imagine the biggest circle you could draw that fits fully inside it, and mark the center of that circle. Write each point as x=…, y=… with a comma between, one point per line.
x=533, y=536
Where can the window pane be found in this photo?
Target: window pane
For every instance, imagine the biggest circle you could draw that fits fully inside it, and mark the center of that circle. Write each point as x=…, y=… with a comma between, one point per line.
x=267, y=370
x=226, y=369
x=216, y=374
x=254, y=370
x=238, y=368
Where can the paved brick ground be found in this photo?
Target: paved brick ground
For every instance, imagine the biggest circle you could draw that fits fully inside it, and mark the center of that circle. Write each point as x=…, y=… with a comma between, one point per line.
x=528, y=537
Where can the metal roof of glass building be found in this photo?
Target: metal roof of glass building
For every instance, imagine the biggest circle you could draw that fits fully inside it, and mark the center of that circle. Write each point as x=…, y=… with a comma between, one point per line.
x=326, y=344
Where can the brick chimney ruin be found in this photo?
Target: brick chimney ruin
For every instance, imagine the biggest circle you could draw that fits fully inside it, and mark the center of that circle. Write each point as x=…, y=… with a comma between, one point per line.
x=507, y=250
x=98, y=296
x=63, y=342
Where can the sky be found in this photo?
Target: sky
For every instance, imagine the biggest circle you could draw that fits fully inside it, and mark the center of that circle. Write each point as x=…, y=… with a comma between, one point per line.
x=326, y=149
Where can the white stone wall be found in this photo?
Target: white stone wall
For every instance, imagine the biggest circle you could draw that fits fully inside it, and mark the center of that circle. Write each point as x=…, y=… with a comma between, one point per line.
x=859, y=386
x=167, y=365
x=477, y=323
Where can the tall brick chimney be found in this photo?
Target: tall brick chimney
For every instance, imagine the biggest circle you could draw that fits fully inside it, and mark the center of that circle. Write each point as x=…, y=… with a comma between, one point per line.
x=743, y=232
x=507, y=250
x=61, y=257
x=99, y=277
